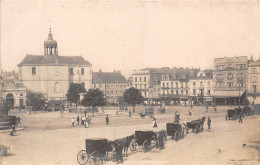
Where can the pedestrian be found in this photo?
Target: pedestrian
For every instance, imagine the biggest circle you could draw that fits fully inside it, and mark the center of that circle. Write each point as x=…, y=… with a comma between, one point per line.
x=78, y=120
x=154, y=123
x=190, y=112
x=209, y=122
x=119, y=155
x=207, y=109
x=85, y=112
x=107, y=120
x=191, y=105
x=89, y=119
x=82, y=120
x=129, y=113
x=161, y=143
x=240, y=118
x=215, y=109
x=73, y=120
x=226, y=117
x=19, y=120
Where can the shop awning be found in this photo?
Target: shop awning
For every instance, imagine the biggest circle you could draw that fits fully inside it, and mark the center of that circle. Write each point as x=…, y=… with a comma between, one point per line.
x=226, y=94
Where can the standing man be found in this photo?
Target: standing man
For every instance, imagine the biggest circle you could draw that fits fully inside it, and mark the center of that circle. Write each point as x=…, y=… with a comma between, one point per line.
x=73, y=122
x=209, y=122
x=107, y=120
x=85, y=112
x=129, y=113
x=119, y=155
x=78, y=120
x=207, y=108
x=240, y=118
x=215, y=109
x=190, y=112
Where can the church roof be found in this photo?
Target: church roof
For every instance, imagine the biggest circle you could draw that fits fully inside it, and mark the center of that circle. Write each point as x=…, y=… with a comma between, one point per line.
x=53, y=60
x=108, y=77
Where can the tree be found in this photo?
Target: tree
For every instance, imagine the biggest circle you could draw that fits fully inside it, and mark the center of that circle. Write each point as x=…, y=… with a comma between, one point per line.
x=73, y=92
x=94, y=98
x=132, y=97
x=35, y=99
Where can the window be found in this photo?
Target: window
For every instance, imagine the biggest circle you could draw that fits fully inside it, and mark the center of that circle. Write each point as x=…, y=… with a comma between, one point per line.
x=71, y=71
x=194, y=83
x=181, y=84
x=241, y=76
x=176, y=92
x=201, y=84
x=240, y=84
x=181, y=91
x=194, y=91
x=176, y=85
x=253, y=79
x=21, y=94
x=82, y=71
x=172, y=92
x=167, y=85
x=140, y=79
x=107, y=93
x=186, y=92
x=208, y=92
x=144, y=86
x=230, y=76
x=144, y=79
x=136, y=86
x=219, y=84
x=230, y=84
x=33, y=71
x=112, y=92
x=135, y=79
x=171, y=84
x=254, y=86
x=201, y=74
x=163, y=85
x=100, y=85
x=140, y=86
x=253, y=70
x=163, y=92
x=208, y=83
x=57, y=87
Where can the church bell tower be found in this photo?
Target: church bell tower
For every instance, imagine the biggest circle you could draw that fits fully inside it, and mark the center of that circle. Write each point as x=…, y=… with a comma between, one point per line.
x=50, y=45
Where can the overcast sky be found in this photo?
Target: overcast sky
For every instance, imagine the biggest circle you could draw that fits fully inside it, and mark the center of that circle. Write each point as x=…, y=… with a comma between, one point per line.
x=131, y=35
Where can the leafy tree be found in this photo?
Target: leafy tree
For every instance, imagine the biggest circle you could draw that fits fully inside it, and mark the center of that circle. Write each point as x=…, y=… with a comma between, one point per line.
x=132, y=97
x=73, y=92
x=35, y=99
x=94, y=98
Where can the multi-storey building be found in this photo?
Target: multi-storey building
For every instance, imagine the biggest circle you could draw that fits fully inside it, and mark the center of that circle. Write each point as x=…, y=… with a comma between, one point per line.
x=13, y=90
x=175, y=85
x=148, y=82
x=113, y=84
x=230, y=79
x=201, y=87
x=253, y=94
x=51, y=73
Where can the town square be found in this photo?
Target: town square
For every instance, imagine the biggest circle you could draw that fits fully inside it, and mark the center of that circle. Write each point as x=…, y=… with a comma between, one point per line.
x=141, y=82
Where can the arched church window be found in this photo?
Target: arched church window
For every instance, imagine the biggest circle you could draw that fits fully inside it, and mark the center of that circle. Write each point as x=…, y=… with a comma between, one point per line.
x=82, y=71
x=33, y=71
x=57, y=87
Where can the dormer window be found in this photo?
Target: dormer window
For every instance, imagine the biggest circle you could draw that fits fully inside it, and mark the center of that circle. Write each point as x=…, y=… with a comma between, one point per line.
x=33, y=71
x=82, y=71
x=71, y=71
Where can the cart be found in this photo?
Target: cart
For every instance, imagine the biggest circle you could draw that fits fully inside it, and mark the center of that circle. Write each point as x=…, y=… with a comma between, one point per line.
x=143, y=138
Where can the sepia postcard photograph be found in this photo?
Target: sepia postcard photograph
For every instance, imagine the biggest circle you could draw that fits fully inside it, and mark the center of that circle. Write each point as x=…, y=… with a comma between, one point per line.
x=149, y=82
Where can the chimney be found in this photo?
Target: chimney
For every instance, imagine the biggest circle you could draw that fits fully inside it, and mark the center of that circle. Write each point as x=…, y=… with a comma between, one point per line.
x=100, y=71
x=114, y=71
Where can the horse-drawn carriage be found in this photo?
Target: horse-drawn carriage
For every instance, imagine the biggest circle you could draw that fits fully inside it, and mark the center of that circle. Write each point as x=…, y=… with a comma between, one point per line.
x=147, y=112
x=175, y=130
x=142, y=138
x=196, y=125
x=161, y=110
x=97, y=151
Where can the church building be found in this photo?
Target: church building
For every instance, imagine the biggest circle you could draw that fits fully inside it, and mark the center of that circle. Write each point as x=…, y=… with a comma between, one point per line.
x=51, y=73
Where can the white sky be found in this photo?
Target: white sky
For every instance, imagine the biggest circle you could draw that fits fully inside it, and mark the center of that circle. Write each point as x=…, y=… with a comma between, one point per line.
x=131, y=35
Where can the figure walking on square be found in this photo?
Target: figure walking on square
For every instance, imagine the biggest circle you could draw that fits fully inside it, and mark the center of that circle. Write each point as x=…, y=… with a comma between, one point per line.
x=107, y=120
x=209, y=122
x=72, y=120
x=78, y=120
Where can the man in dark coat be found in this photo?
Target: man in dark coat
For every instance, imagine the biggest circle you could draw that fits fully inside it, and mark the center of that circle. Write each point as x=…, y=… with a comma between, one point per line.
x=107, y=120
x=161, y=143
x=209, y=122
x=119, y=155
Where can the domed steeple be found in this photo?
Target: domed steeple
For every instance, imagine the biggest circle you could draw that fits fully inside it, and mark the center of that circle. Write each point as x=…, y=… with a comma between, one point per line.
x=50, y=45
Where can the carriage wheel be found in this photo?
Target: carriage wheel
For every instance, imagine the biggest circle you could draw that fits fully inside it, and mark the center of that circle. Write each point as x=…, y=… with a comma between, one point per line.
x=133, y=145
x=94, y=158
x=82, y=157
x=146, y=145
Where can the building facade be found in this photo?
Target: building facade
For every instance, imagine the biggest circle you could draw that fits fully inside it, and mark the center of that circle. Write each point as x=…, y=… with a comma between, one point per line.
x=13, y=91
x=175, y=88
x=253, y=94
x=201, y=87
x=230, y=79
x=113, y=85
x=51, y=73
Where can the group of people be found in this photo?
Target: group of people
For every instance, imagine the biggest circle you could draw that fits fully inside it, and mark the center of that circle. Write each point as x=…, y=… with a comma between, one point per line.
x=83, y=120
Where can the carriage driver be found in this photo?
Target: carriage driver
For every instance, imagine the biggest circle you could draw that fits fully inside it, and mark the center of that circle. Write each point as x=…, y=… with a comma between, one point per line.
x=177, y=117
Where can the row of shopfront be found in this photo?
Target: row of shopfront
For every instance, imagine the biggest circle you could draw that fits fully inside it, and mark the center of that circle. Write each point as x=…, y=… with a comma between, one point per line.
x=219, y=98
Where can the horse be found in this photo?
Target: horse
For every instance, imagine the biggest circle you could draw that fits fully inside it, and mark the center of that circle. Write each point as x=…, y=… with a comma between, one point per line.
x=125, y=142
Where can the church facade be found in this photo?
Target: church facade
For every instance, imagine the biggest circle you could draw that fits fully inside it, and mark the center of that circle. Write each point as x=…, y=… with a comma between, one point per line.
x=52, y=74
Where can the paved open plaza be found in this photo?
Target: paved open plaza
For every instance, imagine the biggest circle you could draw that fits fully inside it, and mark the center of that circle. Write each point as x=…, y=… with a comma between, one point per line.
x=50, y=139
